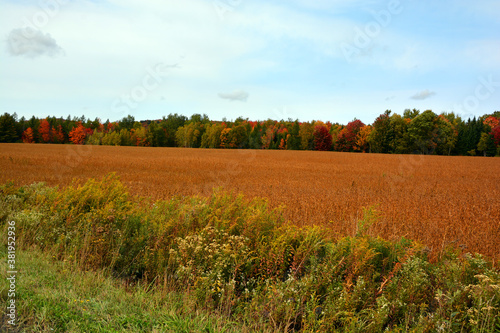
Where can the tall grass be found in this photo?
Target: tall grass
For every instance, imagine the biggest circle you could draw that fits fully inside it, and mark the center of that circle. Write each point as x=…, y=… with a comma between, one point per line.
x=241, y=259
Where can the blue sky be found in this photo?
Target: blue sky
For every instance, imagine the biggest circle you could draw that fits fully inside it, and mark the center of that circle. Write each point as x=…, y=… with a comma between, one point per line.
x=324, y=60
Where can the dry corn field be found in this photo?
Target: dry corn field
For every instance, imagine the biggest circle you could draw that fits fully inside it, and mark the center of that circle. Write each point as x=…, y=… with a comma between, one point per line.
x=439, y=201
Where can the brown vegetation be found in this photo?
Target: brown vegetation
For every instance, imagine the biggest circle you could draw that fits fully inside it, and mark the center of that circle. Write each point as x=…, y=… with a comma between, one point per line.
x=440, y=201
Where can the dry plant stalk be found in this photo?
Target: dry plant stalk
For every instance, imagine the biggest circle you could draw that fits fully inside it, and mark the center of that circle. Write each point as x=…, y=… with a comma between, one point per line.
x=437, y=200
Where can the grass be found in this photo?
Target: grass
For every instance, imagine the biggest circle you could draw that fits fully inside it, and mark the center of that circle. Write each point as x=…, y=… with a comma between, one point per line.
x=57, y=296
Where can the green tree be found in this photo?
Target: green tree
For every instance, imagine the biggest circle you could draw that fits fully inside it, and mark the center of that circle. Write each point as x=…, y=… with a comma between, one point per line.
x=293, y=141
x=445, y=134
x=411, y=114
x=380, y=136
x=127, y=123
x=469, y=134
x=8, y=131
x=111, y=139
x=125, y=137
x=421, y=132
x=487, y=144
x=95, y=139
x=255, y=137
x=399, y=138
x=189, y=135
x=211, y=137
x=158, y=134
x=239, y=135
x=170, y=126
x=306, y=133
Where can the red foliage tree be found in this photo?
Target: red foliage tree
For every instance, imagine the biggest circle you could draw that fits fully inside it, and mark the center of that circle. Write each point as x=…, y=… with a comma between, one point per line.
x=28, y=136
x=496, y=134
x=44, y=130
x=78, y=134
x=346, y=140
x=494, y=124
x=322, y=138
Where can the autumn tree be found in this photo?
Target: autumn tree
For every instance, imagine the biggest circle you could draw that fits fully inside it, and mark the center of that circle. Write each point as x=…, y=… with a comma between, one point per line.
x=225, y=139
x=362, y=142
x=490, y=137
x=57, y=134
x=141, y=136
x=44, y=131
x=28, y=136
x=322, y=138
x=268, y=137
x=78, y=134
x=346, y=140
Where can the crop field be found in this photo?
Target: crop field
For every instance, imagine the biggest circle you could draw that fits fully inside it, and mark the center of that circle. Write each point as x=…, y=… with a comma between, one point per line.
x=439, y=201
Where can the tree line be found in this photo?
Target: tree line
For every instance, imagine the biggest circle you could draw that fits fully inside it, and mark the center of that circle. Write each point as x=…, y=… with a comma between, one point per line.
x=412, y=132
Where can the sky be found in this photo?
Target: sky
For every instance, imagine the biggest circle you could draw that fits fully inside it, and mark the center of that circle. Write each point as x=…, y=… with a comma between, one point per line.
x=329, y=60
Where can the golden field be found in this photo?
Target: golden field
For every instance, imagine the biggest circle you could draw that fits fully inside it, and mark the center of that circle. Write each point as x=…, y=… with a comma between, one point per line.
x=440, y=201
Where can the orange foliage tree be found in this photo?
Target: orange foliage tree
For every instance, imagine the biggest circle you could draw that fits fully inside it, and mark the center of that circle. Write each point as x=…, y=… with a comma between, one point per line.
x=492, y=122
x=57, y=134
x=28, y=136
x=78, y=134
x=44, y=130
x=362, y=139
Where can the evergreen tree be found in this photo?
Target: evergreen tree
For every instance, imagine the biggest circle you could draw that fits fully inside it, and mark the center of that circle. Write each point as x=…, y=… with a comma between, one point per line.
x=8, y=131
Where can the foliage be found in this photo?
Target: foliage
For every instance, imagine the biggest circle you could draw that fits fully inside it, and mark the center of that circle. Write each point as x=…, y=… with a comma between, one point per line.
x=44, y=131
x=8, y=128
x=322, y=138
x=240, y=258
x=28, y=136
x=347, y=137
x=78, y=134
x=412, y=132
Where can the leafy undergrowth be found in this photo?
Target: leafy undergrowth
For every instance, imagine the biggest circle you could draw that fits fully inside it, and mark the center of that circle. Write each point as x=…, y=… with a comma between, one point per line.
x=236, y=259
x=56, y=296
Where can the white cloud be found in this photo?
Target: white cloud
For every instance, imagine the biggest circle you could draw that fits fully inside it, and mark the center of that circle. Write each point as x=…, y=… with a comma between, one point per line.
x=32, y=43
x=423, y=95
x=238, y=95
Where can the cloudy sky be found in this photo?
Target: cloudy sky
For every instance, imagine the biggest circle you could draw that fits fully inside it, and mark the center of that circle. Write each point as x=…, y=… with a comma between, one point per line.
x=302, y=59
